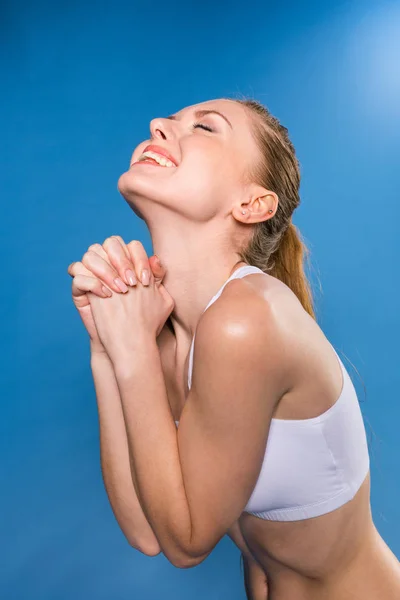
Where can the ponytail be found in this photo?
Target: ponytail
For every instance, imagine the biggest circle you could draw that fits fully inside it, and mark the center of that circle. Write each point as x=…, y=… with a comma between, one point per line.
x=287, y=264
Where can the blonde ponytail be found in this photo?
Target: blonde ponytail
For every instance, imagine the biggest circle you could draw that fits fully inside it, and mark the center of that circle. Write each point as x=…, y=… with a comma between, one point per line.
x=288, y=266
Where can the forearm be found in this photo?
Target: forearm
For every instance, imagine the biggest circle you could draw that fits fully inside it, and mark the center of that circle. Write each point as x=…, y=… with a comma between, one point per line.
x=117, y=469
x=152, y=438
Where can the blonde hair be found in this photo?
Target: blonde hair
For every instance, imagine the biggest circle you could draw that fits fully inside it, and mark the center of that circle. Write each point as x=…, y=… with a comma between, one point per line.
x=276, y=245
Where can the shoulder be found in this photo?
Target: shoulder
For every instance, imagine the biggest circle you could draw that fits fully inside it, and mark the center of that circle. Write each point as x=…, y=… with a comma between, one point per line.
x=257, y=305
x=240, y=301
x=249, y=322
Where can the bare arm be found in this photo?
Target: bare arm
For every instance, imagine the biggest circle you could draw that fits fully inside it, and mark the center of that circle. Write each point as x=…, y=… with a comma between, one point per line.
x=99, y=267
x=118, y=476
x=183, y=475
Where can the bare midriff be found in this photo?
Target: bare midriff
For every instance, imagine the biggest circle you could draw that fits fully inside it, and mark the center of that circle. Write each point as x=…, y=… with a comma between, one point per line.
x=337, y=556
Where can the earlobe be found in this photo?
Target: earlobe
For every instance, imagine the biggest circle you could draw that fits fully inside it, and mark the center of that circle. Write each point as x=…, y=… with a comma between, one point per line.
x=270, y=211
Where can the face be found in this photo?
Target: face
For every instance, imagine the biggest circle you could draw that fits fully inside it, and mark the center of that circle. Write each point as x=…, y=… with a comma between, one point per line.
x=210, y=155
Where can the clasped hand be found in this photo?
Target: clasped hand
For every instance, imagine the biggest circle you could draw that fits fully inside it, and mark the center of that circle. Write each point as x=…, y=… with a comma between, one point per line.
x=119, y=322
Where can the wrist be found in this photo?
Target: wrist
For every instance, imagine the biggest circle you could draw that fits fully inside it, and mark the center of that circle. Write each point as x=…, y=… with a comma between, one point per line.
x=137, y=359
x=97, y=349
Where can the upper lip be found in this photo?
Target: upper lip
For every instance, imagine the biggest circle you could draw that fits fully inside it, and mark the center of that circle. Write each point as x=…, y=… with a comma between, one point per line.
x=162, y=151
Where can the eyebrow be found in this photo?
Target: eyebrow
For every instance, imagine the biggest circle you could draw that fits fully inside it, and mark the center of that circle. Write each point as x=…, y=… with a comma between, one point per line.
x=202, y=113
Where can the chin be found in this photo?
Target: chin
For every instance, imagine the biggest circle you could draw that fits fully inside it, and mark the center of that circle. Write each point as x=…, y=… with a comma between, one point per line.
x=124, y=184
x=137, y=189
x=130, y=185
x=144, y=192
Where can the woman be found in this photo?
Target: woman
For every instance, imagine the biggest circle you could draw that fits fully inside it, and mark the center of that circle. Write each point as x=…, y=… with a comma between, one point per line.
x=271, y=446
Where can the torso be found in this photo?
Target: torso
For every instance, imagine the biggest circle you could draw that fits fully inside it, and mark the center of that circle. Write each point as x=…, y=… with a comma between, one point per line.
x=339, y=555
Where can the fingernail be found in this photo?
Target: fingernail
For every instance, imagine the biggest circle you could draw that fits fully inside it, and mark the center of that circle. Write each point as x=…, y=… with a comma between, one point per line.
x=131, y=277
x=106, y=291
x=119, y=283
x=145, y=277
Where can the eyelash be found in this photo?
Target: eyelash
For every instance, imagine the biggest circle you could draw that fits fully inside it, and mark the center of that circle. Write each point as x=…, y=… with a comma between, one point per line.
x=206, y=127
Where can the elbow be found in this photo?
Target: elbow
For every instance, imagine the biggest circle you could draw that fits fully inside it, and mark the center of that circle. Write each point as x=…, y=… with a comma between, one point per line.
x=177, y=554
x=176, y=558
x=186, y=561
x=186, y=556
x=183, y=562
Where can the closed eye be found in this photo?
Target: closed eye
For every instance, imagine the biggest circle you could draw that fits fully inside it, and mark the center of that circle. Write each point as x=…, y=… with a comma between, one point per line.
x=206, y=127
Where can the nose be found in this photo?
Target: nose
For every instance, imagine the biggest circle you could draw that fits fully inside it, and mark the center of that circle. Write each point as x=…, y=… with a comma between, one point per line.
x=161, y=129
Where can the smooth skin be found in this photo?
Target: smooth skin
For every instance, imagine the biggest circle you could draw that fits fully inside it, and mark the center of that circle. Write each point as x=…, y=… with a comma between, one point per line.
x=255, y=570
x=194, y=213
x=101, y=265
x=110, y=261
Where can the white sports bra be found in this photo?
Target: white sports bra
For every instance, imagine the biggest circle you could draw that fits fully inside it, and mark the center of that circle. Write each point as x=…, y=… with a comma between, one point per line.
x=311, y=466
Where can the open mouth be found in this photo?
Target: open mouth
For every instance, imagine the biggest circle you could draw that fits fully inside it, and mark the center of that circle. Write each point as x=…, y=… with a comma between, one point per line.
x=152, y=158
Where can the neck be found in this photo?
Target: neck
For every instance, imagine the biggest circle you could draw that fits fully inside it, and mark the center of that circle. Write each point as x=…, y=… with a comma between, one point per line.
x=197, y=263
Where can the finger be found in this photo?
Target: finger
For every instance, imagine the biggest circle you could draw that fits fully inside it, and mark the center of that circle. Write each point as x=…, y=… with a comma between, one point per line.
x=122, y=264
x=103, y=270
x=140, y=261
x=158, y=269
x=77, y=268
x=124, y=246
x=167, y=298
x=81, y=284
x=98, y=248
x=101, y=252
x=118, y=255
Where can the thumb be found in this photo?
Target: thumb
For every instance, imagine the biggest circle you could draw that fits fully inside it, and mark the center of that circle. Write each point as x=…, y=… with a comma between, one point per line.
x=157, y=268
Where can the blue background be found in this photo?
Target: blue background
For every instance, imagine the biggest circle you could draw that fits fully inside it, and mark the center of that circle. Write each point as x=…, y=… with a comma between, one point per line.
x=80, y=83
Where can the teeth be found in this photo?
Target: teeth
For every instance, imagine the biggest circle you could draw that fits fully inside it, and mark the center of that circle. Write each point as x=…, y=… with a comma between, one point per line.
x=158, y=158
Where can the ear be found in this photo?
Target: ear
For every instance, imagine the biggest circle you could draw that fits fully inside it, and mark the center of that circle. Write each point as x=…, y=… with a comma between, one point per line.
x=258, y=204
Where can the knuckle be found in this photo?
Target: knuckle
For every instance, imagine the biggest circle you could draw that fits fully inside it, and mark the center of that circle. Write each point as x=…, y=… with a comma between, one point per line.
x=122, y=247
x=86, y=257
x=112, y=247
x=137, y=254
x=119, y=238
x=126, y=265
x=135, y=244
x=115, y=254
x=77, y=281
x=110, y=240
x=94, y=247
x=74, y=268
